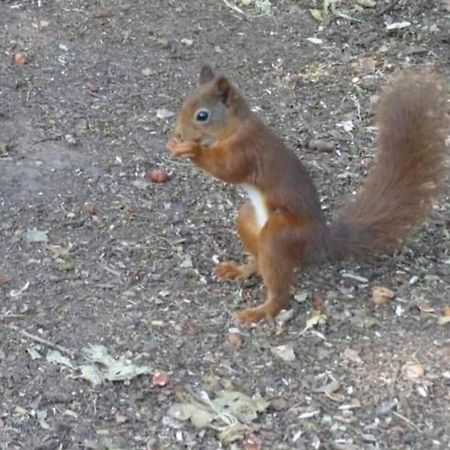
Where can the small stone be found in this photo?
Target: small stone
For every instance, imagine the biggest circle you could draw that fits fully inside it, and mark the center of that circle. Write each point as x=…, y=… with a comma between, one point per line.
x=70, y=139
x=279, y=404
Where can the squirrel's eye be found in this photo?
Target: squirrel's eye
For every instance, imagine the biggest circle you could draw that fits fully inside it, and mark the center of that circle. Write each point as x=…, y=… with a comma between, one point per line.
x=202, y=115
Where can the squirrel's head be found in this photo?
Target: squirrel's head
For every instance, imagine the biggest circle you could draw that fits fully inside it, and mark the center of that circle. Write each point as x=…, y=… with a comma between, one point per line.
x=210, y=112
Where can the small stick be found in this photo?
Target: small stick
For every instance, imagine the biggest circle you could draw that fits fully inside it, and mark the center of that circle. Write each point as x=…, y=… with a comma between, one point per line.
x=235, y=8
x=43, y=341
x=412, y=424
x=11, y=316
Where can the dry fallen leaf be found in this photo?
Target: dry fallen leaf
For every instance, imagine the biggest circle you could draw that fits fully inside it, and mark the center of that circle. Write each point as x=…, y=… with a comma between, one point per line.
x=92, y=374
x=120, y=418
x=284, y=352
x=381, y=295
x=89, y=208
x=54, y=356
x=113, y=370
x=352, y=356
x=58, y=251
x=20, y=58
x=232, y=433
x=34, y=351
x=235, y=339
x=367, y=65
x=330, y=390
x=243, y=407
x=231, y=410
x=424, y=307
x=413, y=370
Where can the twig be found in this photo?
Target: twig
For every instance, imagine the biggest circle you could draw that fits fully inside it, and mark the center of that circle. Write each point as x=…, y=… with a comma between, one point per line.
x=235, y=8
x=412, y=424
x=110, y=270
x=43, y=341
x=11, y=316
x=29, y=95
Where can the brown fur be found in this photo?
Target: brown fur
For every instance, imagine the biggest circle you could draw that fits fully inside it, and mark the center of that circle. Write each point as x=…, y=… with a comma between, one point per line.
x=410, y=172
x=397, y=197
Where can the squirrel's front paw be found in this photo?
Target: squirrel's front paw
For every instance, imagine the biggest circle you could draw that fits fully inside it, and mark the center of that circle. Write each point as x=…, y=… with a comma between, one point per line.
x=179, y=149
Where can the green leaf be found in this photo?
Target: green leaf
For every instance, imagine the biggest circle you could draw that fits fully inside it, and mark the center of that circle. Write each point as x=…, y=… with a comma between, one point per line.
x=67, y=266
x=316, y=14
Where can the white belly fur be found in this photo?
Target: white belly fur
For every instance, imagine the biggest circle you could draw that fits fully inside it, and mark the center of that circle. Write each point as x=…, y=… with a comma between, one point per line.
x=257, y=200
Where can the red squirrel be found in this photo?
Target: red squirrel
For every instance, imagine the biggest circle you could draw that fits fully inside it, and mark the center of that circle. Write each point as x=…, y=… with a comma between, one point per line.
x=283, y=226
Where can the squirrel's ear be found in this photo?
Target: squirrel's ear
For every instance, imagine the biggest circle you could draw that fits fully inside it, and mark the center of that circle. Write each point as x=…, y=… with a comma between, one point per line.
x=224, y=89
x=206, y=74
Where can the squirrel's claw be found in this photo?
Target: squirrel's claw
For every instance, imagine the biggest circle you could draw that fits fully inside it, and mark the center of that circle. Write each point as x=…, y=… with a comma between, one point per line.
x=232, y=271
x=252, y=316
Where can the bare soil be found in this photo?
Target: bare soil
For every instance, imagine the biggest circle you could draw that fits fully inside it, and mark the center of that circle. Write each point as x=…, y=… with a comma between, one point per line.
x=85, y=121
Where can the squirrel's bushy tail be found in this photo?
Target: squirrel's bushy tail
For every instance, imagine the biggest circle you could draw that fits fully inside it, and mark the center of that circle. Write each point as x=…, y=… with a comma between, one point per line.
x=411, y=170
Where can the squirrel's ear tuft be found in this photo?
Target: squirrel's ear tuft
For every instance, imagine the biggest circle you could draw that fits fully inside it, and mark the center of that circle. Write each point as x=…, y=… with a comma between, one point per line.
x=206, y=74
x=224, y=89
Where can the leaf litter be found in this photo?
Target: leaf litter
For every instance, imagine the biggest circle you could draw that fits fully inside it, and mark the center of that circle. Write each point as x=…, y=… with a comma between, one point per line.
x=230, y=412
x=101, y=367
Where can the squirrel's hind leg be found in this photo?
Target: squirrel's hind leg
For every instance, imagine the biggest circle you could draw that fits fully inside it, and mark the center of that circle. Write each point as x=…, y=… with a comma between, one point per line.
x=248, y=232
x=280, y=247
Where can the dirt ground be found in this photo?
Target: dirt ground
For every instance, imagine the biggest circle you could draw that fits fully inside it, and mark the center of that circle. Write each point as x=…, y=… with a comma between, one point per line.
x=94, y=253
